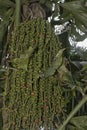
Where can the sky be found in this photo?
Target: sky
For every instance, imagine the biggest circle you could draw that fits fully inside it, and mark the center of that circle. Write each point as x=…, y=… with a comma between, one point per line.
x=82, y=43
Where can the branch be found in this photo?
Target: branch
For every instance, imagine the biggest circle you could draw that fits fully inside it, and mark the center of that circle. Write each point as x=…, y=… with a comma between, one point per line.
x=18, y=12
x=82, y=102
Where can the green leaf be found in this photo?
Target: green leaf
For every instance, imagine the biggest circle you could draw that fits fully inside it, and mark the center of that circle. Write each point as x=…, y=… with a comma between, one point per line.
x=65, y=74
x=4, y=24
x=71, y=127
x=8, y=14
x=20, y=63
x=77, y=10
x=3, y=29
x=6, y=4
x=23, y=60
x=78, y=36
x=55, y=65
x=79, y=122
x=84, y=67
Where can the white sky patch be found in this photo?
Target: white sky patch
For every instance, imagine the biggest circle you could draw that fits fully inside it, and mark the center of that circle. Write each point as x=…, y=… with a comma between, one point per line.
x=82, y=44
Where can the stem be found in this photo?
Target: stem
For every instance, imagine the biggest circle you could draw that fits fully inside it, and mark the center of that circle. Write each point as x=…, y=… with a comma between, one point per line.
x=18, y=12
x=73, y=112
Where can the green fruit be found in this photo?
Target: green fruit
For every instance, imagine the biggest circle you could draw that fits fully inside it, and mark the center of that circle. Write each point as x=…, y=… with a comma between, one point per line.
x=32, y=100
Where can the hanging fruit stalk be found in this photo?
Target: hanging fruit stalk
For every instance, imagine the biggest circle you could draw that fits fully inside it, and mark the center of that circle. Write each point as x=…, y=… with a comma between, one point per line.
x=30, y=99
x=18, y=12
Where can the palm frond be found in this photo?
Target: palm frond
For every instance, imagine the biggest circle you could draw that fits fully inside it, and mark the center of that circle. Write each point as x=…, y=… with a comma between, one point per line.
x=3, y=29
x=6, y=4
x=5, y=7
x=78, y=12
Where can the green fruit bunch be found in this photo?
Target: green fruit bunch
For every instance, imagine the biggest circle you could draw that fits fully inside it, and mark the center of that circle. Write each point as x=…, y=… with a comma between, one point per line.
x=31, y=100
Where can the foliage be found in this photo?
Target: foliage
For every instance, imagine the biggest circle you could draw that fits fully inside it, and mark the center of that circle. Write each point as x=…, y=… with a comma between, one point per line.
x=78, y=53
x=73, y=121
x=78, y=123
x=38, y=76
x=75, y=12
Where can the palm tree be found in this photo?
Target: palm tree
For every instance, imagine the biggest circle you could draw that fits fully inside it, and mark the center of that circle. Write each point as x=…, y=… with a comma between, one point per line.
x=30, y=89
